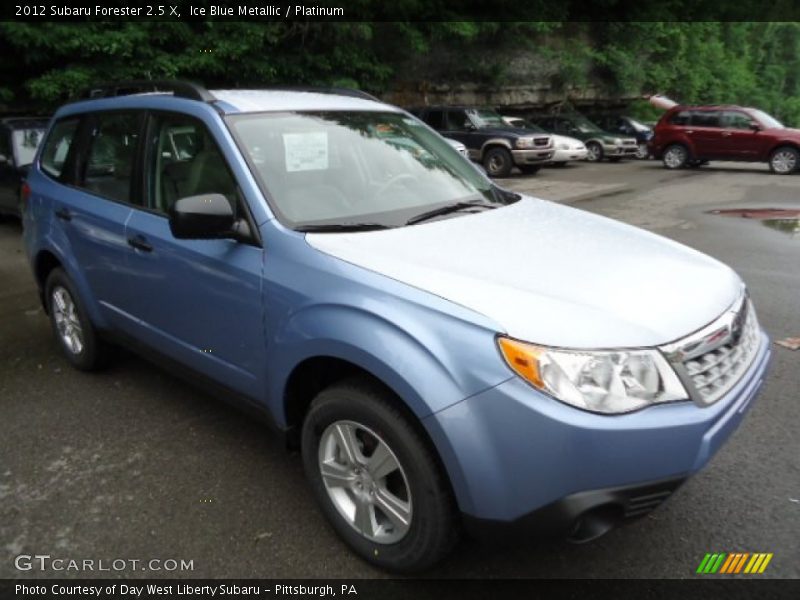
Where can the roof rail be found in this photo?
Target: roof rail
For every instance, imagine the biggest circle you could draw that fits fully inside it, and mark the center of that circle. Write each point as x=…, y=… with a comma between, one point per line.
x=181, y=89
x=340, y=91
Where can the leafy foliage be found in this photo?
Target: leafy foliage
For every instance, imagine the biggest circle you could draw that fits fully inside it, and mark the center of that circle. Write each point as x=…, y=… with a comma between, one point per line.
x=754, y=63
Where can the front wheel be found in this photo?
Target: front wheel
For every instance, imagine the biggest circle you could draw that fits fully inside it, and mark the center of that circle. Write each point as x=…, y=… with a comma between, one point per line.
x=594, y=152
x=529, y=169
x=498, y=162
x=642, y=152
x=784, y=161
x=375, y=478
x=675, y=156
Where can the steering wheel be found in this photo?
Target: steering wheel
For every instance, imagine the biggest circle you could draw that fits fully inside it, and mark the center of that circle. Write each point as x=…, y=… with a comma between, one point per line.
x=394, y=181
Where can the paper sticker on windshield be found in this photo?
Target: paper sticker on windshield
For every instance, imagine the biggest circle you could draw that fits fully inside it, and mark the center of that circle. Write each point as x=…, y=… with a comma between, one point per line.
x=306, y=151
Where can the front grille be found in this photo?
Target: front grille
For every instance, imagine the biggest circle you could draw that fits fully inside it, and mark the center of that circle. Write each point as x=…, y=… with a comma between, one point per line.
x=541, y=141
x=714, y=359
x=629, y=142
x=715, y=372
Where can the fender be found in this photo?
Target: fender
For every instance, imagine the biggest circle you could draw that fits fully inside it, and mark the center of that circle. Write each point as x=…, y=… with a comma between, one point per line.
x=422, y=372
x=495, y=142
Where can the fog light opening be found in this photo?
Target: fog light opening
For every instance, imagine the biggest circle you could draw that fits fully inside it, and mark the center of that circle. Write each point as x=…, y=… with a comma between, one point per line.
x=595, y=522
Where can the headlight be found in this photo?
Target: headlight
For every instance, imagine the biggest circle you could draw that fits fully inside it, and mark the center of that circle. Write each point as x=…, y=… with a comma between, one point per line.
x=525, y=143
x=564, y=146
x=603, y=381
x=618, y=141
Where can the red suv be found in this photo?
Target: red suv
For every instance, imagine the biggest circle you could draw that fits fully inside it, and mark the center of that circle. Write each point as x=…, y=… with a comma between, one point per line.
x=693, y=135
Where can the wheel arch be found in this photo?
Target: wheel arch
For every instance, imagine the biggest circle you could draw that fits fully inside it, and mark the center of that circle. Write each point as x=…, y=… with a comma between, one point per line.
x=494, y=143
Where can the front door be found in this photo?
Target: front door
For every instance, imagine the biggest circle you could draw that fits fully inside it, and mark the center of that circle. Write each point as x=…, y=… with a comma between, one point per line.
x=199, y=301
x=742, y=140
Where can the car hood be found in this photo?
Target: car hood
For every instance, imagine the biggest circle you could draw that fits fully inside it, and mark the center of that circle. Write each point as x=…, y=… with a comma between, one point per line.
x=551, y=274
x=512, y=131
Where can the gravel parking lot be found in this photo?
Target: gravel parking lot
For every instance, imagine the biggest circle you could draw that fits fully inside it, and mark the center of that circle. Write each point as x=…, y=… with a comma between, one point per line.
x=135, y=464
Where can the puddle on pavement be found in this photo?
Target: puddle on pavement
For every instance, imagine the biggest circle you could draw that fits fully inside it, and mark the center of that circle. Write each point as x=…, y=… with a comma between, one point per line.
x=786, y=220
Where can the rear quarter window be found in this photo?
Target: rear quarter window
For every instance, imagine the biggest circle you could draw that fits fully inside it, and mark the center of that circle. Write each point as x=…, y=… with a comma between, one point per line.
x=57, y=146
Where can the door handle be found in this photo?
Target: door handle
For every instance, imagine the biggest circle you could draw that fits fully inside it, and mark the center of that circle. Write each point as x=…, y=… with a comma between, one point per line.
x=690, y=131
x=139, y=242
x=64, y=214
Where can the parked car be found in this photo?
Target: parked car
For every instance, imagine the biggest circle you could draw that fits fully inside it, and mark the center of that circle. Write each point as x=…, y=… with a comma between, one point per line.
x=627, y=126
x=565, y=148
x=444, y=353
x=488, y=139
x=692, y=135
x=19, y=138
x=599, y=144
x=459, y=147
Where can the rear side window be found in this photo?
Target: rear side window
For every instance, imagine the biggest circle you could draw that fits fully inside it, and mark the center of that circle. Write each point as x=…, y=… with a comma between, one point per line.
x=111, y=156
x=435, y=118
x=680, y=118
x=57, y=146
x=705, y=118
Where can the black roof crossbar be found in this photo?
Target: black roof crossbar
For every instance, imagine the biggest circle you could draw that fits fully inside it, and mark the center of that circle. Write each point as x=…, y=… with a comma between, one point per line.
x=181, y=89
x=339, y=91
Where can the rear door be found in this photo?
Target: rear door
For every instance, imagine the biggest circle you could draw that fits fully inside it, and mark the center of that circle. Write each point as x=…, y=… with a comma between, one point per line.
x=94, y=204
x=706, y=134
x=198, y=301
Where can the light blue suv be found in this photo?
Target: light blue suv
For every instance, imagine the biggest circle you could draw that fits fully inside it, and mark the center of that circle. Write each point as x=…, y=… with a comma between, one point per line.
x=446, y=354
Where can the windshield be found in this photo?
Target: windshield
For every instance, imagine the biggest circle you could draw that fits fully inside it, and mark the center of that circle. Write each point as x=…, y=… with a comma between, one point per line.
x=766, y=120
x=584, y=125
x=25, y=142
x=488, y=118
x=329, y=168
x=638, y=126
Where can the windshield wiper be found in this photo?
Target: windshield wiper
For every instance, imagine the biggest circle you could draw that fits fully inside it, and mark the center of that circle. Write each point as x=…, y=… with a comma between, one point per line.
x=447, y=209
x=334, y=227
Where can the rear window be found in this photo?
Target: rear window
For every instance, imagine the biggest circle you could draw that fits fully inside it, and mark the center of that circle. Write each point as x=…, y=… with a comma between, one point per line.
x=57, y=146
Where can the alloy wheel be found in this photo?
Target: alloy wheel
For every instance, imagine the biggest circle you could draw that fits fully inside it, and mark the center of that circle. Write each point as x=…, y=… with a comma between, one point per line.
x=784, y=161
x=365, y=481
x=675, y=157
x=67, y=322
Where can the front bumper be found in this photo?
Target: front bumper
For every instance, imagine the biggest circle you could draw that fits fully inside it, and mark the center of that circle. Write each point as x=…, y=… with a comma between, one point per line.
x=620, y=151
x=511, y=451
x=561, y=155
x=531, y=157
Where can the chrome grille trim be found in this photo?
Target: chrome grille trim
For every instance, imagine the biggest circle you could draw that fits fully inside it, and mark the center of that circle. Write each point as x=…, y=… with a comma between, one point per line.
x=711, y=361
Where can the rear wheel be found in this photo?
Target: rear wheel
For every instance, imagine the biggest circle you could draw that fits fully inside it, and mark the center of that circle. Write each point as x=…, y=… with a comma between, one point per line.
x=784, y=160
x=529, y=169
x=375, y=478
x=594, y=152
x=71, y=325
x=498, y=162
x=642, y=152
x=675, y=156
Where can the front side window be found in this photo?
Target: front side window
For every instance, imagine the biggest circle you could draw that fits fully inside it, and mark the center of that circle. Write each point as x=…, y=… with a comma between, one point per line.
x=732, y=119
x=112, y=154
x=184, y=160
x=341, y=168
x=435, y=118
x=56, y=149
x=458, y=120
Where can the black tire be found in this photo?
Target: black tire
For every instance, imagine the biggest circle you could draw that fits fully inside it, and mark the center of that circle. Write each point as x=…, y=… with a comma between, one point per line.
x=93, y=353
x=498, y=162
x=433, y=528
x=529, y=169
x=595, y=152
x=784, y=160
x=675, y=156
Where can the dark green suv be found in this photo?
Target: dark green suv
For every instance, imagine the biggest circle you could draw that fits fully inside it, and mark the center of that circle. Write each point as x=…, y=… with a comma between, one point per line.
x=599, y=144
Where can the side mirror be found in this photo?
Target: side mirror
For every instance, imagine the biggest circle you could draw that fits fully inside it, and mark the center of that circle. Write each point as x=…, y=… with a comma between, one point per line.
x=3, y=159
x=203, y=217
x=755, y=126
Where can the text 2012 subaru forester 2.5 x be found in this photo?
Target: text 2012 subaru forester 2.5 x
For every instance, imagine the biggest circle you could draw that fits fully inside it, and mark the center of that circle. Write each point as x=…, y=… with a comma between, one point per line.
x=447, y=354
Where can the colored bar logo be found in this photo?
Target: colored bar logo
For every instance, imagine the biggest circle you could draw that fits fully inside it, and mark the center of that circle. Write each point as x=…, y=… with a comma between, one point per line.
x=734, y=563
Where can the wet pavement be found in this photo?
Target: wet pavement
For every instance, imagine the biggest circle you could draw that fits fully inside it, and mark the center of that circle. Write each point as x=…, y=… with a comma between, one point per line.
x=135, y=464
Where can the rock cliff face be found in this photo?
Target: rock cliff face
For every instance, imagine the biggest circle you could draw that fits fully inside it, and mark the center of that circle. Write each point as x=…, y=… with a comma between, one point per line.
x=504, y=76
